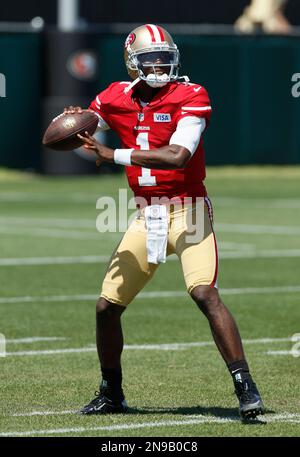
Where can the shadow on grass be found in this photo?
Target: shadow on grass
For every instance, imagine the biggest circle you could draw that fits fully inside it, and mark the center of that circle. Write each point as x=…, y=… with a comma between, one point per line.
x=186, y=411
x=217, y=412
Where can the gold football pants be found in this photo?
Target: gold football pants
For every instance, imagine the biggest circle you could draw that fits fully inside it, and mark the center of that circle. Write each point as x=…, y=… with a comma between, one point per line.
x=190, y=237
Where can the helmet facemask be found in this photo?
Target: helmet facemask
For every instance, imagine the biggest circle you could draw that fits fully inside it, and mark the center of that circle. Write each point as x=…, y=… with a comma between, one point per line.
x=158, y=59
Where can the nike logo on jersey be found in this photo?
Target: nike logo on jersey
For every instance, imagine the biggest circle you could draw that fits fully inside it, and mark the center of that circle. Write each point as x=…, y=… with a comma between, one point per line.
x=161, y=117
x=197, y=89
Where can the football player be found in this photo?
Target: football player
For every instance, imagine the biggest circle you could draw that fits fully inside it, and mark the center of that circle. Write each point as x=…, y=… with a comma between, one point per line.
x=160, y=118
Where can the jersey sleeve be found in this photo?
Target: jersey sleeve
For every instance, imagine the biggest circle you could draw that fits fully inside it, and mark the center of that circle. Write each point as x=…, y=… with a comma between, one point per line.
x=99, y=108
x=196, y=103
x=188, y=132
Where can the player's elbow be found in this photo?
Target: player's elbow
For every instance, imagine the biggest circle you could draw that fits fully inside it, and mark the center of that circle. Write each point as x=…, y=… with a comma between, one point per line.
x=180, y=162
x=181, y=156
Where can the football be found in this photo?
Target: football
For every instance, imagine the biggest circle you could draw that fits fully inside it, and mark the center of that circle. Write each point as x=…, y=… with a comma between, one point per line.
x=61, y=134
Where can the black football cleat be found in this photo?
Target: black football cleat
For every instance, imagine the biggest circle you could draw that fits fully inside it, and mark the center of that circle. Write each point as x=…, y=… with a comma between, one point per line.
x=251, y=404
x=105, y=404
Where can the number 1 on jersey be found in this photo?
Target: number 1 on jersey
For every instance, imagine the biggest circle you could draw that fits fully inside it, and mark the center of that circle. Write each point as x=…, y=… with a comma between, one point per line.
x=146, y=179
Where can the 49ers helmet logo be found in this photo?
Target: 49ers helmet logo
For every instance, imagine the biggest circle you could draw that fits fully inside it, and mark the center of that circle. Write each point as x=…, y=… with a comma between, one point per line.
x=130, y=39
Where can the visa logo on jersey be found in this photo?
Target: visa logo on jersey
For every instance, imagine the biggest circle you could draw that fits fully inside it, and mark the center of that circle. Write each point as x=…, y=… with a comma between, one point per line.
x=162, y=117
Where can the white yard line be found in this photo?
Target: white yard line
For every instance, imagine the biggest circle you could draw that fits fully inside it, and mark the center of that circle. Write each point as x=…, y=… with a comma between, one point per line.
x=150, y=294
x=143, y=347
x=45, y=413
x=34, y=339
x=291, y=352
x=179, y=346
x=51, y=298
x=46, y=299
x=200, y=419
x=229, y=291
x=51, y=351
x=65, y=260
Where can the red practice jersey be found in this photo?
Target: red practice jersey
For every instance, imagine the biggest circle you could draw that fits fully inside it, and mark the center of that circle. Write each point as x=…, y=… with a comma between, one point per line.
x=151, y=127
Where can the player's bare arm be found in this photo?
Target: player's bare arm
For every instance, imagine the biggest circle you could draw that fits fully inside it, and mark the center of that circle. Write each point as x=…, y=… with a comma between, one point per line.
x=169, y=157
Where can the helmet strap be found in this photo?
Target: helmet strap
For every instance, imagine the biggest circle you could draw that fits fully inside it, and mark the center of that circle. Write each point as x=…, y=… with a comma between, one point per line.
x=128, y=88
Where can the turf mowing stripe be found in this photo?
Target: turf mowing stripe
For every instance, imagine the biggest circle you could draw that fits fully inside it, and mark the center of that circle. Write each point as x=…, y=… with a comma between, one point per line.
x=221, y=227
x=49, y=222
x=262, y=254
x=84, y=197
x=91, y=224
x=153, y=294
x=51, y=233
x=52, y=224
x=35, y=339
x=90, y=259
x=151, y=347
x=33, y=197
x=201, y=419
x=260, y=290
x=253, y=203
x=259, y=229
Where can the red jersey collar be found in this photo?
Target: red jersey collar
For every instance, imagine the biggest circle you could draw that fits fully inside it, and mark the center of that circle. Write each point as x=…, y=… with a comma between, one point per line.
x=132, y=98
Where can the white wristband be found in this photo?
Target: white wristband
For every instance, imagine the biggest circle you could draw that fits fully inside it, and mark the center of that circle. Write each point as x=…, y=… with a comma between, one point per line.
x=123, y=156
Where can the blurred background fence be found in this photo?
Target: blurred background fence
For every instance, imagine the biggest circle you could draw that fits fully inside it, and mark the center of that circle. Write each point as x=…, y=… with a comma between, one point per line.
x=249, y=78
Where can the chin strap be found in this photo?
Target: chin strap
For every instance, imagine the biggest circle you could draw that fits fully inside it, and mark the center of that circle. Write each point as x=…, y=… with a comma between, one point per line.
x=185, y=79
x=127, y=89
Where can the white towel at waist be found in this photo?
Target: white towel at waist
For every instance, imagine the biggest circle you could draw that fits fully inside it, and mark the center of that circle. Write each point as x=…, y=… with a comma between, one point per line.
x=157, y=224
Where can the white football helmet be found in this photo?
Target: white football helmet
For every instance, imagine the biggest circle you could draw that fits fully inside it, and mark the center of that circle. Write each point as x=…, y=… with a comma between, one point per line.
x=151, y=46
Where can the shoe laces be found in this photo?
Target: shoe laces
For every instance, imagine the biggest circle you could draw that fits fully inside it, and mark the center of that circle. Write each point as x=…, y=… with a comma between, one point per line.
x=97, y=395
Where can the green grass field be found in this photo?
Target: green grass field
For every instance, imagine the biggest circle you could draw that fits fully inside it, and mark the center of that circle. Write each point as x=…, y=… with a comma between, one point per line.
x=49, y=280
